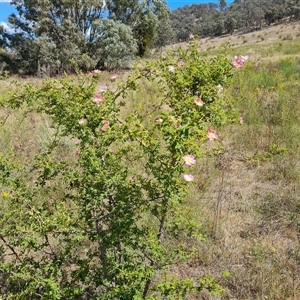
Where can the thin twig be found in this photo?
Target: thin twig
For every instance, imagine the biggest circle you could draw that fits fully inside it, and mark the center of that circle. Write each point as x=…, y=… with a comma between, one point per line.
x=11, y=248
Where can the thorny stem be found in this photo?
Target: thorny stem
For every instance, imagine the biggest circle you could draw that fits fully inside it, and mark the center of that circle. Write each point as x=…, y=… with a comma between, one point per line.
x=11, y=248
x=101, y=246
x=159, y=236
x=50, y=246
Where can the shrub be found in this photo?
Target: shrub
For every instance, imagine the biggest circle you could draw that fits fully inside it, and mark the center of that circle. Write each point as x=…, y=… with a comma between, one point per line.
x=98, y=221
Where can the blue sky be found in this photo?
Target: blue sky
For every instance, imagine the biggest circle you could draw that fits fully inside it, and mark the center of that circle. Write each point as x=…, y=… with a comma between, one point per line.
x=173, y=4
x=6, y=9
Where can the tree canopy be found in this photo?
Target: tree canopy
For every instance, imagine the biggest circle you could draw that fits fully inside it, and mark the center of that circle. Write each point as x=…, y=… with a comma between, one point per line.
x=59, y=35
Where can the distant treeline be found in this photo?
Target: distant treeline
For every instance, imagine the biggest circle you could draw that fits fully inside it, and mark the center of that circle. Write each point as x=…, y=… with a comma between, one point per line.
x=217, y=19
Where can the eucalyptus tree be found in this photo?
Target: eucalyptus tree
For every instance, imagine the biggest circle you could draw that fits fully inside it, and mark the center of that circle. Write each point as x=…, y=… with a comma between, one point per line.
x=74, y=31
x=293, y=9
x=222, y=4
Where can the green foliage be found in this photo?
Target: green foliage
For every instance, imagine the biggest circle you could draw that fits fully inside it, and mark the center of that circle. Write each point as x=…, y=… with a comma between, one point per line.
x=164, y=34
x=118, y=46
x=51, y=36
x=145, y=31
x=180, y=288
x=100, y=225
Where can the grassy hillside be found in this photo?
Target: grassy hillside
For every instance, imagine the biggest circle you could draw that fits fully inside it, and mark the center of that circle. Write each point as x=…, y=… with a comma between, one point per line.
x=247, y=197
x=273, y=41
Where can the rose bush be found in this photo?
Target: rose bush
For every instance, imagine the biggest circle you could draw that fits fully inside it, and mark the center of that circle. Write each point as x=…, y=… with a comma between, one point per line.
x=101, y=225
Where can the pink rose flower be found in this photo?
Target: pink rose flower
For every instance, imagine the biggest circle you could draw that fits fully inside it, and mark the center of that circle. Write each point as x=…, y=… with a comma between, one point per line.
x=239, y=61
x=180, y=63
x=98, y=99
x=189, y=159
x=114, y=77
x=188, y=177
x=212, y=135
x=198, y=101
x=82, y=121
x=105, y=126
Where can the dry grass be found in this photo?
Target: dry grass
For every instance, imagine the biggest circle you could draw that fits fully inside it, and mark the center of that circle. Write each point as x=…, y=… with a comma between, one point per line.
x=269, y=42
